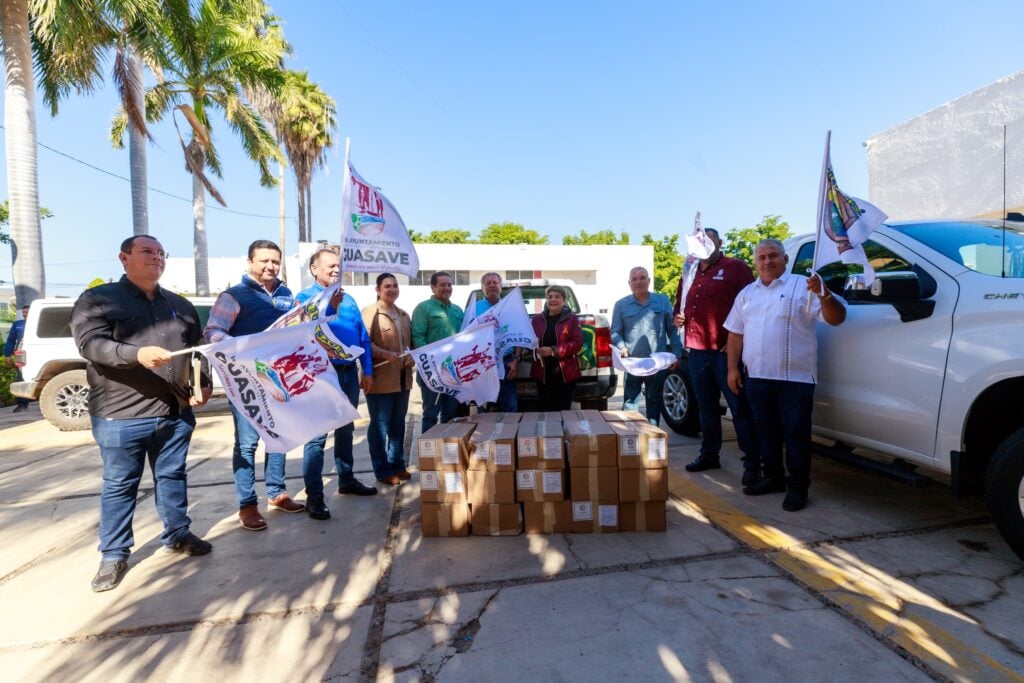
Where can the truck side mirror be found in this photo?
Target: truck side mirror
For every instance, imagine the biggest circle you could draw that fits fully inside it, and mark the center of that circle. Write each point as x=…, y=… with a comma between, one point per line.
x=901, y=289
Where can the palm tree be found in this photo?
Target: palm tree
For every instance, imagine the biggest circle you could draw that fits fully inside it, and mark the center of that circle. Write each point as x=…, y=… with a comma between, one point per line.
x=213, y=53
x=309, y=120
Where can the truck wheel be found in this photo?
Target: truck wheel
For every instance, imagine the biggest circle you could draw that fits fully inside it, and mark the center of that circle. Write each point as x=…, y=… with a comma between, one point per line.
x=680, y=407
x=1004, y=490
x=65, y=401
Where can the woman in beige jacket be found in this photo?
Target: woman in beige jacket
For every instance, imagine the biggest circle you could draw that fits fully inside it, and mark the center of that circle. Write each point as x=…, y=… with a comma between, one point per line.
x=390, y=330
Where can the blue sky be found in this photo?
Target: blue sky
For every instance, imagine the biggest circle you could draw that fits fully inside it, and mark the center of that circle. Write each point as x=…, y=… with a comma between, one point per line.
x=558, y=115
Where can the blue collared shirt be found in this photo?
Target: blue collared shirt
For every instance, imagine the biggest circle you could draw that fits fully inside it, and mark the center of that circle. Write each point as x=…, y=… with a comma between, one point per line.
x=347, y=325
x=645, y=328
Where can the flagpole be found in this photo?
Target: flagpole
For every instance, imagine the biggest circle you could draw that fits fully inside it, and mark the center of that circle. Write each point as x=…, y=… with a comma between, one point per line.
x=182, y=352
x=346, y=209
x=821, y=208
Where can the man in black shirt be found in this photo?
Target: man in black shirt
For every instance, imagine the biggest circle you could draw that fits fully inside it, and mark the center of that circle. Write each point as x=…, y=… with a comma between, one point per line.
x=139, y=400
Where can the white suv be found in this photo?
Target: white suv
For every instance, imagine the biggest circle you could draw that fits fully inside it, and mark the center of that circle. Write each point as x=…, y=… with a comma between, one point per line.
x=54, y=371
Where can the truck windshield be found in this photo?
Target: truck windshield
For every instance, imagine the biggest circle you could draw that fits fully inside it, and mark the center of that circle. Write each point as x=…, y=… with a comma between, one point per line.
x=982, y=246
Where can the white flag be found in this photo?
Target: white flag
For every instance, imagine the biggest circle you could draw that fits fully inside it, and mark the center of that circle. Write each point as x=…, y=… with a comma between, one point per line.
x=314, y=309
x=373, y=236
x=282, y=382
x=698, y=246
x=463, y=366
x=470, y=316
x=642, y=367
x=844, y=223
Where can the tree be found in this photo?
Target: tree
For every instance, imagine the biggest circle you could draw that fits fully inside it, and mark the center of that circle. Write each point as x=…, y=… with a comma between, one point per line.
x=215, y=48
x=451, y=236
x=741, y=242
x=308, y=119
x=5, y=214
x=668, y=264
x=510, y=233
x=599, y=237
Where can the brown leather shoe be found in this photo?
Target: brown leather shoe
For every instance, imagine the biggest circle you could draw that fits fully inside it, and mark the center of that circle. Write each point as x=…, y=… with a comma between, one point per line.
x=250, y=518
x=393, y=480
x=403, y=474
x=285, y=503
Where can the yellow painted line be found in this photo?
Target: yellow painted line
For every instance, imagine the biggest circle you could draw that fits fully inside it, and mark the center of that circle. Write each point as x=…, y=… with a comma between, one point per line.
x=875, y=598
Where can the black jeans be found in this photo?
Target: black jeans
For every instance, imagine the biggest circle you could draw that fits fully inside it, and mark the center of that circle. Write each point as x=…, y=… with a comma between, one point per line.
x=782, y=415
x=556, y=393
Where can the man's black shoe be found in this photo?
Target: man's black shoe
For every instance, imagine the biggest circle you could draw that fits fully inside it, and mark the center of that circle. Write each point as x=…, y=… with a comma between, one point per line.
x=703, y=462
x=795, y=500
x=751, y=475
x=357, y=488
x=190, y=544
x=109, y=576
x=765, y=486
x=317, y=508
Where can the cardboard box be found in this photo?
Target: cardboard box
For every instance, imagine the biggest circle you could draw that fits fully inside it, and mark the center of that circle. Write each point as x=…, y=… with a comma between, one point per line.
x=496, y=520
x=540, y=446
x=640, y=445
x=445, y=446
x=506, y=418
x=643, y=485
x=594, y=483
x=540, y=485
x=589, y=517
x=581, y=416
x=492, y=446
x=543, y=416
x=547, y=518
x=491, y=487
x=440, y=519
x=623, y=416
x=443, y=487
x=591, y=444
x=643, y=516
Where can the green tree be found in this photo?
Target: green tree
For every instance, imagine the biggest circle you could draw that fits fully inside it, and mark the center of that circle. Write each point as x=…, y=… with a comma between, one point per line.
x=741, y=242
x=668, y=263
x=95, y=282
x=599, y=237
x=309, y=117
x=510, y=233
x=451, y=236
x=5, y=215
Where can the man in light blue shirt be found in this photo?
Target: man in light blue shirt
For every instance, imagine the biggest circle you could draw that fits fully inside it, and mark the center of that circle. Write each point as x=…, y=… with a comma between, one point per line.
x=641, y=326
x=508, y=399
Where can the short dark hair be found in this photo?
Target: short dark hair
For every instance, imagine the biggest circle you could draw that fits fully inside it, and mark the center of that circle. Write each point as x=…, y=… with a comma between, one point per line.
x=384, y=276
x=555, y=289
x=129, y=244
x=315, y=258
x=714, y=231
x=262, y=244
x=439, y=274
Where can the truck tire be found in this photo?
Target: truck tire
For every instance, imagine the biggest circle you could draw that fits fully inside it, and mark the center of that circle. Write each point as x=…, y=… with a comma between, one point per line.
x=65, y=401
x=1004, y=490
x=679, y=405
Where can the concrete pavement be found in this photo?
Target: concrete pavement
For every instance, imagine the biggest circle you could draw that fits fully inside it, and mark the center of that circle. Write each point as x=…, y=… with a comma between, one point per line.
x=874, y=581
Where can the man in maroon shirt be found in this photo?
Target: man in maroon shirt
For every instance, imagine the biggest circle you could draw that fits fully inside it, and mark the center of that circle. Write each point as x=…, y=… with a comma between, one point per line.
x=702, y=317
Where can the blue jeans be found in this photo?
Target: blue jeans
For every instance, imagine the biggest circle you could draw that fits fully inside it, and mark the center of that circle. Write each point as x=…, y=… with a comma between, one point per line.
x=435, y=404
x=313, y=452
x=782, y=413
x=243, y=464
x=709, y=371
x=125, y=445
x=386, y=435
x=652, y=394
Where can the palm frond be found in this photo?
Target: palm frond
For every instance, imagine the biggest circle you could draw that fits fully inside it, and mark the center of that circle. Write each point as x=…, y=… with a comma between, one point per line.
x=118, y=126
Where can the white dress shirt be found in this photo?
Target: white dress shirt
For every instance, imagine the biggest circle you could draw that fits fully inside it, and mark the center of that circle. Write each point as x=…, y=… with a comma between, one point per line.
x=778, y=329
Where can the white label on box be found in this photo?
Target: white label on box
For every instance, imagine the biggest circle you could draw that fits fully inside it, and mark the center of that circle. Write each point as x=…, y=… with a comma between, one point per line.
x=428, y=448
x=552, y=449
x=526, y=480
x=657, y=449
x=528, y=446
x=428, y=480
x=503, y=454
x=450, y=454
x=608, y=515
x=552, y=482
x=582, y=512
x=629, y=445
x=483, y=451
x=453, y=482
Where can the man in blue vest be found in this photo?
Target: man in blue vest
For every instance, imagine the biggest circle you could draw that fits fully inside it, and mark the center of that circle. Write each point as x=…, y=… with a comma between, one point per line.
x=346, y=323
x=247, y=308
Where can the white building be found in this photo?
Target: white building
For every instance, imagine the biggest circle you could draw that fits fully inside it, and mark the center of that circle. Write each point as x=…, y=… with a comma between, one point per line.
x=599, y=274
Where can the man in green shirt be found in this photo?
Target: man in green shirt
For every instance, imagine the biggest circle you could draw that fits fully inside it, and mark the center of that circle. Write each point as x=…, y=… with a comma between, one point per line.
x=433, y=320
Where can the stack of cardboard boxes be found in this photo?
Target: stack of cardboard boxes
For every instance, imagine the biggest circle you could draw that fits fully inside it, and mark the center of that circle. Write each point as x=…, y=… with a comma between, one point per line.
x=572, y=472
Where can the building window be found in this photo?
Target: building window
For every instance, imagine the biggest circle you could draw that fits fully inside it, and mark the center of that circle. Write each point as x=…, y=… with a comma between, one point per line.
x=461, y=277
x=519, y=275
x=355, y=279
x=421, y=278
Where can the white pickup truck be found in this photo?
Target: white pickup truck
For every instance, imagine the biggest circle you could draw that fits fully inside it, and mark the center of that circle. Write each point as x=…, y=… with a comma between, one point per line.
x=54, y=371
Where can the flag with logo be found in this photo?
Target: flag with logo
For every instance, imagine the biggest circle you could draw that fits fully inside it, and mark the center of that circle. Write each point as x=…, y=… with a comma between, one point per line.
x=373, y=236
x=512, y=327
x=642, y=367
x=314, y=309
x=463, y=366
x=282, y=382
x=844, y=223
